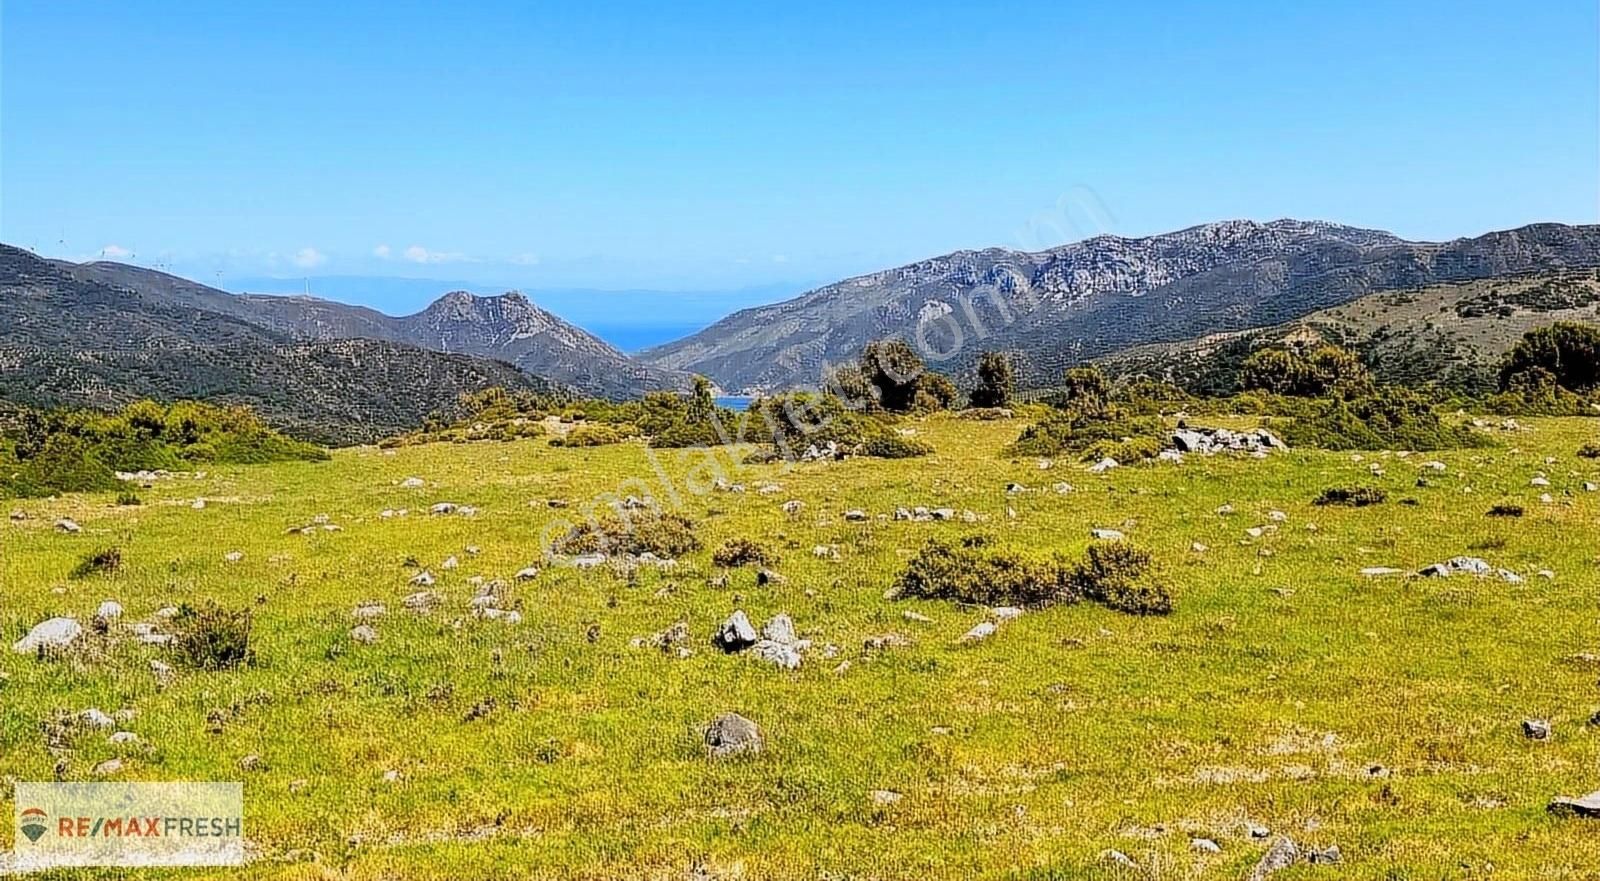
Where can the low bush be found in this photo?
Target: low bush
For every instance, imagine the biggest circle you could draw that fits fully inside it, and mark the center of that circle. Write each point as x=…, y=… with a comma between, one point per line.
x=744, y=552
x=1390, y=418
x=1092, y=429
x=212, y=637
x=129, y=499
x=1589, y=451
x=101, y=562
x=1507, y=510
x=1351, y=497
x=885, y=445
x=592, y=436
x=666, y=535
x=79, y=450
x=1122, y=577
x=974, y=572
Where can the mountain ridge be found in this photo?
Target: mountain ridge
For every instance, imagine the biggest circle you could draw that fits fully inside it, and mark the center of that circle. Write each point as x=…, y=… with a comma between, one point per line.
x=1099, y=295
x=508, y=327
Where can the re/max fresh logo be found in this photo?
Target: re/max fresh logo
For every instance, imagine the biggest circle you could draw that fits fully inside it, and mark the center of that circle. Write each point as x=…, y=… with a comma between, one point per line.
x=34, y=825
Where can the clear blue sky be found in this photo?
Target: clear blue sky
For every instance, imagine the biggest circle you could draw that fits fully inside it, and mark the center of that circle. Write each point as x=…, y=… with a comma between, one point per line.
x=703, y=146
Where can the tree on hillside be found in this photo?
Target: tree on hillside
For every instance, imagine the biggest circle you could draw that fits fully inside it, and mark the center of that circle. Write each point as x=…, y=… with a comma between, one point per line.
x=893, y=368
x=996, y=381
x=1085, y=385
x=1568, y=351
x=1326, y=370
x=702, y=404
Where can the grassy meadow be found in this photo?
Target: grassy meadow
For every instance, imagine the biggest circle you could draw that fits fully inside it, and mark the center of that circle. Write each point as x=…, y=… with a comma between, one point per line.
x=1285, y=691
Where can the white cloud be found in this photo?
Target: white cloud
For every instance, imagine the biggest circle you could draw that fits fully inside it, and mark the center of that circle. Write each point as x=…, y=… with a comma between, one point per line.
x=115, y=252
x=419, y=254
x=381, y=252
x=308, y=258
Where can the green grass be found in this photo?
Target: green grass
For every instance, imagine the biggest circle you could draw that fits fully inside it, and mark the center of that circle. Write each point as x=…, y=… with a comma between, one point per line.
x=1074, y=730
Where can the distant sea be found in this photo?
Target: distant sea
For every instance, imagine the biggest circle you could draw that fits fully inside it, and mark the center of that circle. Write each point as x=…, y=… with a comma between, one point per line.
x=734, y=402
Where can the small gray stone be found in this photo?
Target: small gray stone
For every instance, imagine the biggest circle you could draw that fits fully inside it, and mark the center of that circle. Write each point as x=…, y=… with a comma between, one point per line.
x=777, y=654
x=1281, y=855
x=731, y=734
x=364, y=634
x=1536, y=729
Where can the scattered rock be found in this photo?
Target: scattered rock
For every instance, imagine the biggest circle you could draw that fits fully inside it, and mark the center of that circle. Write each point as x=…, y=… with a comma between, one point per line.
x=855, y=515
x=444, y=508
x=108, y=612
x=1106, y=535
x=736, y=634
x=1536, y=729
x=233, y=556
x=55, y=633
x=778, y=654
x=781, y=630
x=1587, y=807
x=107, y=768
x=1003, y=614
x=364, y=634
x=885, y=797
x=1204, y=845
x=981, y=632
x=68, y=525
x=527, y=574
x=423, y=579
x=1104, y=465
x=731, y=734
x=123, y=738
x=1281, y=855
x=412, y=483
x=766, y=577
x=421, y=601
x=95, y=718
x=1328, y=857
x=794, y=506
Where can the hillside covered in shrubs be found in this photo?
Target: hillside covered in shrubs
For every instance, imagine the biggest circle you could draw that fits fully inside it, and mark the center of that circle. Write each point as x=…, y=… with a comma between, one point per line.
x=48, y=452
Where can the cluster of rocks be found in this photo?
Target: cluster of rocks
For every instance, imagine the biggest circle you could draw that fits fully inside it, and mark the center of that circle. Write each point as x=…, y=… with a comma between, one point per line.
x=1469, y=566
x=924, y=515
x=777, y=644
x=1211, y=441
x=985, y=629
x=447, y=508
x=319, y=523
x=828, y=452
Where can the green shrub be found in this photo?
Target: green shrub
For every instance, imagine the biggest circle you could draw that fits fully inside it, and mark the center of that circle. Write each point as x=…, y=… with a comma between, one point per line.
x=1351, y=497
x=887, y=445
x=102, y=562
x=129, y=499
x=1506, y=509
x=212, y=637
x=1092, y=429
x=996, y=382
x=666, y=535
x=591, y=436
x=974, y=572
x=1569, y=352
x=1390, y=418
x=1589, y=451
x=1121, y=577
x=744, y=552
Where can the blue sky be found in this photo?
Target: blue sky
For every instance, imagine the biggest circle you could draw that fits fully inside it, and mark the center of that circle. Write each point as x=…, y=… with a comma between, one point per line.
x=703, y=146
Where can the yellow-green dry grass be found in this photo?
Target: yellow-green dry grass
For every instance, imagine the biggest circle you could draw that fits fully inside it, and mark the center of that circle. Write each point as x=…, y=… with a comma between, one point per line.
x=1281, y=680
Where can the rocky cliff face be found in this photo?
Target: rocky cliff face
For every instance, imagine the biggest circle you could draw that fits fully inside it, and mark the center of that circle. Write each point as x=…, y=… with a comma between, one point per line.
x=1054, y=308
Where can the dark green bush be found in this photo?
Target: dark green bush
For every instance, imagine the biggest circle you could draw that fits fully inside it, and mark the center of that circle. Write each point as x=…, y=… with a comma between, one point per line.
x=1589, y=451
x=102, y=562
x=212, y=637
x=886, y=445
x=1506, y=509
x=1390, y=418
x=129, y=499
x=974, y=572
x=591, y=436
x=1351, y=497
x=1122, y=577
x=744, y=552
x=1093, y=429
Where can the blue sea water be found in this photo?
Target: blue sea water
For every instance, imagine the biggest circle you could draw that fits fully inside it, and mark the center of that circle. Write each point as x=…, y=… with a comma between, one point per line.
x=734, y=402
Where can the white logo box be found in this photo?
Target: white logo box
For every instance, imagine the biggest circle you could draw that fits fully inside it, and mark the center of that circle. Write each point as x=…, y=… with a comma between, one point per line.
x=62, y=825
